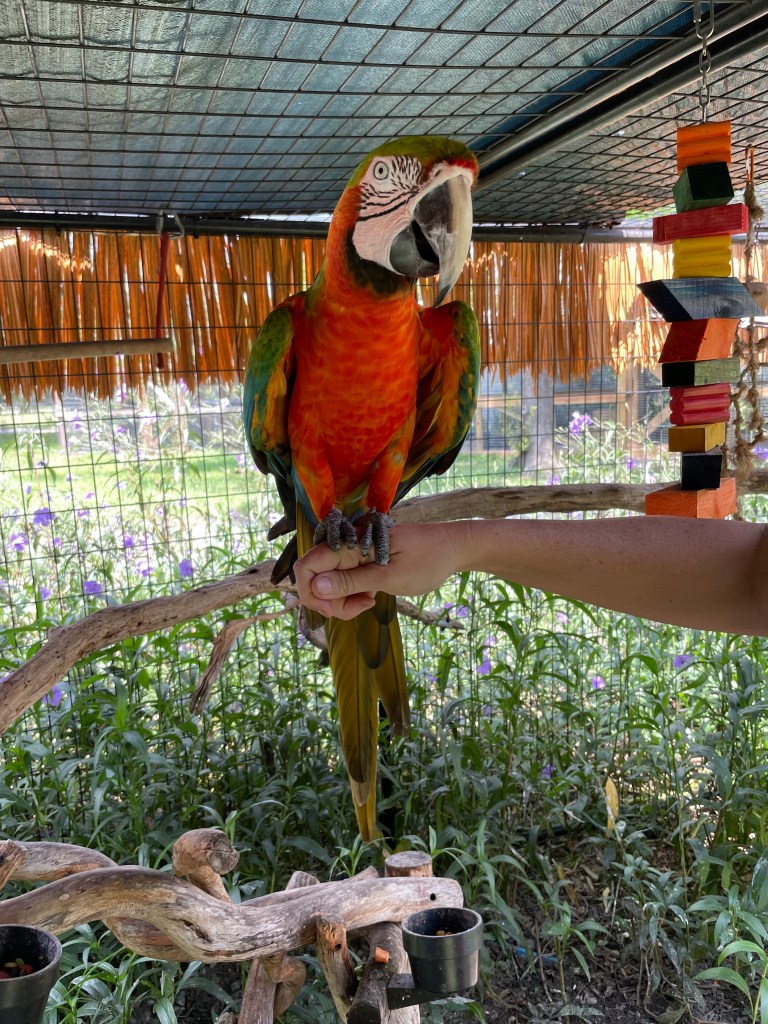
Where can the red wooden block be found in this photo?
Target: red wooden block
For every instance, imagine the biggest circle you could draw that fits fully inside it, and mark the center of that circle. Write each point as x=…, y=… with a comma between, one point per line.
x=689, y=340
x=707, y=404
x=704, y=504
x=717, y=220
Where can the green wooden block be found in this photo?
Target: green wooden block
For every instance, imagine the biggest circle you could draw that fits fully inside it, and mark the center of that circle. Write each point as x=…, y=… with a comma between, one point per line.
x=703, y=371
x=703, y=185
x=700, y=298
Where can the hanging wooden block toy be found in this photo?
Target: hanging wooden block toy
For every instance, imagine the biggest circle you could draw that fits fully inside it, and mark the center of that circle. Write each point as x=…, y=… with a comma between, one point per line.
x=703, y=303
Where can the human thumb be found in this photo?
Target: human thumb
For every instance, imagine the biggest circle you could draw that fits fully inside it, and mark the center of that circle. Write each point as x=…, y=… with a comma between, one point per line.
x=341, y=583
x=325, y=585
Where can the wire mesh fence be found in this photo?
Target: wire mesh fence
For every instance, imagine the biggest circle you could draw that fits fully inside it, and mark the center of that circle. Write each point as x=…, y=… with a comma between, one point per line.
x=118, y=484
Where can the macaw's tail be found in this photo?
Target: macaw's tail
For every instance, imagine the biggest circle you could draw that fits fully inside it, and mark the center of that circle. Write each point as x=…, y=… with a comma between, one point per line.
x=368, y=666
x=367, y=662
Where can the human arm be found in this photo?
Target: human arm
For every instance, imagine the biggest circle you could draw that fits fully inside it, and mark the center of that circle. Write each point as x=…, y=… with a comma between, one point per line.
x=705, y=574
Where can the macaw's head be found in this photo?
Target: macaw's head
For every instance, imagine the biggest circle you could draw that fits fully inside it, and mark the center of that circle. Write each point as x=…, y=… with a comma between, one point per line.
x=407, y=209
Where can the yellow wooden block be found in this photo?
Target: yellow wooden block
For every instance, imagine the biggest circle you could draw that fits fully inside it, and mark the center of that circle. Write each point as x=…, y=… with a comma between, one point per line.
x=708, y=256
x=699, y=437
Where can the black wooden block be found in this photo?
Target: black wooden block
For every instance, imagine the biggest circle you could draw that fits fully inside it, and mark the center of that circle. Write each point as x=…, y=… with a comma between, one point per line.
x=700, y=298
x=701, y=470
x=703, y=185
x=703, y=371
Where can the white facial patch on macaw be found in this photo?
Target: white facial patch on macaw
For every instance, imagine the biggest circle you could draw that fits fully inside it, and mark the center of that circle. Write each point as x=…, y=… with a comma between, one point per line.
x=390, y=190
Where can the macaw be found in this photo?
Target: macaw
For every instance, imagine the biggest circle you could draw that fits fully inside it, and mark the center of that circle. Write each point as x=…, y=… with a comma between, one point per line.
x=354, y=393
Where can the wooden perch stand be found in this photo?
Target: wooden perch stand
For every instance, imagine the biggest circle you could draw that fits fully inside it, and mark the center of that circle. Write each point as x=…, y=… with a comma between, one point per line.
x=192, y=917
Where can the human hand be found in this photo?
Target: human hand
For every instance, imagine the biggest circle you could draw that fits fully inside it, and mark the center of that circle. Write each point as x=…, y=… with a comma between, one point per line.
x=344, y=583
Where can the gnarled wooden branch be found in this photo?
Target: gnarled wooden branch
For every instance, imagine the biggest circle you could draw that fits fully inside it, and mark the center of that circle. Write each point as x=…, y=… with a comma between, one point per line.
x=69, y=644
x=206, y=929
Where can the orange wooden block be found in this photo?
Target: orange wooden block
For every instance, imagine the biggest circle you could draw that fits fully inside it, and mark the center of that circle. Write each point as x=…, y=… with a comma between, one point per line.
x=697, y=437
x=381, y=956
x=705, y=504
x=705, y=143
x=689, y=340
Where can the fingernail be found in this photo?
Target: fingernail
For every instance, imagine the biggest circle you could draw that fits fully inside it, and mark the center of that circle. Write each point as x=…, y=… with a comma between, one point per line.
x=322, y=586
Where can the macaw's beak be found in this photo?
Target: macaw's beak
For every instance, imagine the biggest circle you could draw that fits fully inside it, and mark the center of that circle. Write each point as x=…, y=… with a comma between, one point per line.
x=437, y=239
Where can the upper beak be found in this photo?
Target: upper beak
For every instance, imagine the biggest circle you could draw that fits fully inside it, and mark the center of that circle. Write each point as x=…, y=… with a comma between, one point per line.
x=437, y=239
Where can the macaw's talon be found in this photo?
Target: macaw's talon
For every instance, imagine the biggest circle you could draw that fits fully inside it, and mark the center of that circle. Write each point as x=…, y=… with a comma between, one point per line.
x=336, y=530
x=373, y=532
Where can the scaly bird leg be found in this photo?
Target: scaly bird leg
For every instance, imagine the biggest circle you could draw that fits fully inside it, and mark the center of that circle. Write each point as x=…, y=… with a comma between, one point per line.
x=336, y=529
x=373, y=530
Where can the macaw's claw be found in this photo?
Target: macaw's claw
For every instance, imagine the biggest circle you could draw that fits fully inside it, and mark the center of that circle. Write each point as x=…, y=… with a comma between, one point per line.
x=336, y=529
x=373, y=531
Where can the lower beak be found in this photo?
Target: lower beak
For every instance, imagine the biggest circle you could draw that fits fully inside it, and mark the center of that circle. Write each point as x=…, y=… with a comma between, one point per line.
x=437, y=239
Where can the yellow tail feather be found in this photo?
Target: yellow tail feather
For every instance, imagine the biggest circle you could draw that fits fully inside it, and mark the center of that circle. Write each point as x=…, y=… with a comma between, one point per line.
x=367, y=663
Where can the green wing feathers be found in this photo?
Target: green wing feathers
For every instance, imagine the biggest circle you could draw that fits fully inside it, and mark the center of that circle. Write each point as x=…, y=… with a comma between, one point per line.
x=266, y=390
x=449, y=379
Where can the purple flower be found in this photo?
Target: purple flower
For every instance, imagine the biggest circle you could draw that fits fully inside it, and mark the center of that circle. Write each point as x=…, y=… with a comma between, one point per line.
x=145, y=568
x=682, y=660
x=761, y=452
x=28, y=489
x=45, y=593
x=562, y=618
x=462, y=611
x=43, y=517
x=547, y=771
x=554, y=480
x=448, y=605
x=487, y=711
x=89, y=495
x=17, y=542
x=597, y=683
x=128, y=541
x=484, y=668
x=76, y=423
x=240, y=460
x=185, y=568
x=57, y=542
x=83, y=513
x=579, y=423
x=54, y=698
x=121, y=429
x=630, y=462
x=91, y=587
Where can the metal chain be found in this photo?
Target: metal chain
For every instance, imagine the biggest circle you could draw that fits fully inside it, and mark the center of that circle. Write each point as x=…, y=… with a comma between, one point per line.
x=705, y=57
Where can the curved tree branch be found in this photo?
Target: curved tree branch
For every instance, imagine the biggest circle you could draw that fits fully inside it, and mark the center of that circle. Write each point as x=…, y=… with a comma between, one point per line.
x=67, y=645
x=207, y=929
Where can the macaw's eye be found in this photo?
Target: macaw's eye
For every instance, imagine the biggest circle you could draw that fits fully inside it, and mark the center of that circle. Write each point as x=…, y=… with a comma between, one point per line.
x=380, y=171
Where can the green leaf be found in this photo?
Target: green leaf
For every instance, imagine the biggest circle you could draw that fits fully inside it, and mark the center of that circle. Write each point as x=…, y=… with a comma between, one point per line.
x=727, y=975
x=763, y=1000
x=164, y=1011
x=742, y=946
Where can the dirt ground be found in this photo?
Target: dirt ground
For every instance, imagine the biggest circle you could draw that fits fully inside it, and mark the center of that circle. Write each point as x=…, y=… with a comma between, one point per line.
x=520, y=993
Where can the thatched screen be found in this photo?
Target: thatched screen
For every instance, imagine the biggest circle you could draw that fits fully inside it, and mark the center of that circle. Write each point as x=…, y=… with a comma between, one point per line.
x=566, y=306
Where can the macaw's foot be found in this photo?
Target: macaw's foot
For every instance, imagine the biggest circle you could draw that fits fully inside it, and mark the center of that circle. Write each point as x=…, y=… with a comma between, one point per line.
x=373, y=530
x=336, y=529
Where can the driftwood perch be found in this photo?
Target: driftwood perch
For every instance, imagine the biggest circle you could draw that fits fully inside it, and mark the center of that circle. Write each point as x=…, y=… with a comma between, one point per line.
x=194, y=919
x=69, y=644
